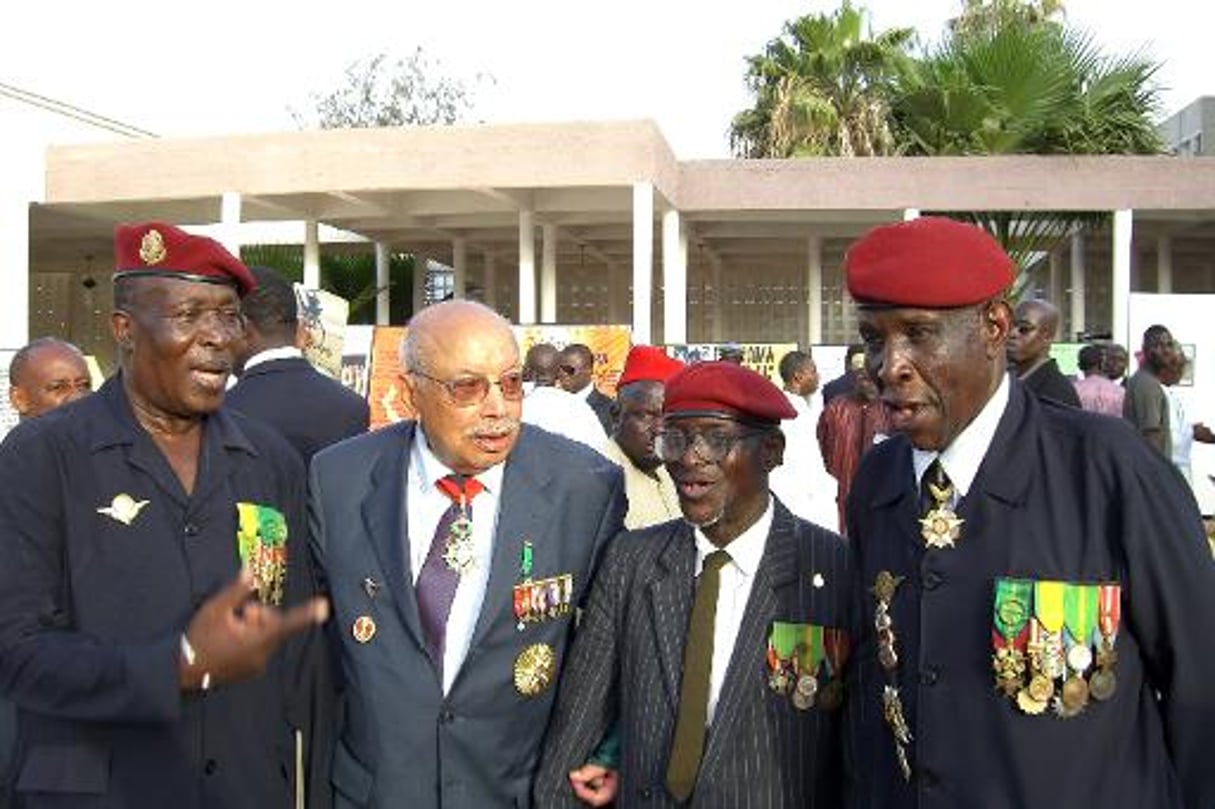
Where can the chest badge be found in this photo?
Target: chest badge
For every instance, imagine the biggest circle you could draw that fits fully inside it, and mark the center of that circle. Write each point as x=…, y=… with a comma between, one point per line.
x=123, y=508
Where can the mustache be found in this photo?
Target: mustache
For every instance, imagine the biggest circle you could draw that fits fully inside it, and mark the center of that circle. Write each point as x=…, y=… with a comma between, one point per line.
x=494, y=427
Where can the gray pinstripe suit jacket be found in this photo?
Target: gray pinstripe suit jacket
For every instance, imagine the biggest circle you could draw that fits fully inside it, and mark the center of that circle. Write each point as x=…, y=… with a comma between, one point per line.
x=627, y=661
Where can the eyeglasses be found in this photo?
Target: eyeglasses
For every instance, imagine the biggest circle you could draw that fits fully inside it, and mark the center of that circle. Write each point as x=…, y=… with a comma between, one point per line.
x=710, y=446
x=472, y=389
x=568, y=370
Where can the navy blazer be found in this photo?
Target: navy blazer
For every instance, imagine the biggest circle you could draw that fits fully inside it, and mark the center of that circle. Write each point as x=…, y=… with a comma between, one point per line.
x=1065, y=496
x=310, y=409
x=402, y=742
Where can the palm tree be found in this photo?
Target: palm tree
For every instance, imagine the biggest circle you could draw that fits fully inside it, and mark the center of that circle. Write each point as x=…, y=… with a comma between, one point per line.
x=821, y=89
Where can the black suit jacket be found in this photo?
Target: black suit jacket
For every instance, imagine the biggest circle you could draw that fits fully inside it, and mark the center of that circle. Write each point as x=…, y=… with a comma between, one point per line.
x=602, y=405
x=1048, y=382
x=627, y=662
x=310, y=409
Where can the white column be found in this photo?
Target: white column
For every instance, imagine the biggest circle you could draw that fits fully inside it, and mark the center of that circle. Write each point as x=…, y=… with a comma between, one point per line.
x=527, y=268
x=420, y=265
x=382, y=278
x=1164, y=265
x=229, y=218
x=490, y=281
x=719, y=299
x=548, y=273
x=674, y=280
x=643, y=261
x=1077, y=283
x=910, y=214
x=814, y=286
x=312, y=254
x=1056, y=279
x=15, y=259
x=459, y=267
x=1120, y=284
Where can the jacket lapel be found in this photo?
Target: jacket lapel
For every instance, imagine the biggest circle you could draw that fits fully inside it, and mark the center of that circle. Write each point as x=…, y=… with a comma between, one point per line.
x=383, y=511
x=671, y=594
x=778, y=570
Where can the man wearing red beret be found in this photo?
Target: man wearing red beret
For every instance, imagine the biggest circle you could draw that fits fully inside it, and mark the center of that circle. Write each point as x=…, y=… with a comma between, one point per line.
x=717, y=641
x=1033, y=577
x=154, y=559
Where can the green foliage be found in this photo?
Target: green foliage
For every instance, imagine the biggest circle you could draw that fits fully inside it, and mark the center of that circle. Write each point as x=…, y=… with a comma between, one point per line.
x=348, y=274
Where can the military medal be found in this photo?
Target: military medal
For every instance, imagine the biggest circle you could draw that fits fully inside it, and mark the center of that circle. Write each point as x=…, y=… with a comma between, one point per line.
x=1028, y=704
x=458, y=553
x=261, y=539
x=892, y=711
x=940, y=527
x=1010, y=615
x=836, y=647
x=363, y=628
x=534, y=669
x=1104, y=682
x=883, y=589
x=804, y=691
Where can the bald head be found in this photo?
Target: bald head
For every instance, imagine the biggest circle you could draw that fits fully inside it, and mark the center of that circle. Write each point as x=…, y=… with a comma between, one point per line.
x=541, y=364
x=1035, y=325
x=438, y=328
x=45, y=374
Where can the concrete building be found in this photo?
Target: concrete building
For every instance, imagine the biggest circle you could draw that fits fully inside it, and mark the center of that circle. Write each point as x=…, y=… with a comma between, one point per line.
x=600, y=223
x=1190, y=132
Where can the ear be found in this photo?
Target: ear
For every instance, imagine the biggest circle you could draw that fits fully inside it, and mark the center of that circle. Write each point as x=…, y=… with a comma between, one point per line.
x=773, y=449
x=19, y=401
x=407, y=392
x=995, y=326
x=121, y=326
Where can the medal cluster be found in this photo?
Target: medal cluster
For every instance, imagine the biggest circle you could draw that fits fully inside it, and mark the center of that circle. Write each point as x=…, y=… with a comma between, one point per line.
x=261, y=538
x=883, y=590
x=1054, y=644
x=543, y=599
x=805, y=663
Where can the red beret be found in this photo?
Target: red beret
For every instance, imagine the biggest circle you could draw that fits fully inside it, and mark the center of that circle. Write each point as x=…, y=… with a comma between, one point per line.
x=648, y=364
x=930, y=262
x=164, y=251
x=725, y=389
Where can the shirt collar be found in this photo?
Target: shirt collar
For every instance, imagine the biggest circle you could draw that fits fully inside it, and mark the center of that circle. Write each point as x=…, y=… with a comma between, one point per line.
x=279, y=353
x=425, y=468
x=746, y=550
x=961, y=459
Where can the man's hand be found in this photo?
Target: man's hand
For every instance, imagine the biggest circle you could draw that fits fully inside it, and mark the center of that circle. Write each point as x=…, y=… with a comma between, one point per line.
x=595, y=785
x=233, y=637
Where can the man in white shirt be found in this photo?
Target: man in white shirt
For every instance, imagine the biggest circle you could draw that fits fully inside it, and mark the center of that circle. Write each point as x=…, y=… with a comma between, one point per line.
x=801, y=482
x=551, y=408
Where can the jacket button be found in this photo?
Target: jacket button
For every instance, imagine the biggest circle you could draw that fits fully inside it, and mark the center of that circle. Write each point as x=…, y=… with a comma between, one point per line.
x=446, y=717
x=929, y=676
x=190, y=530
x=932, y=580
x=647, y=793
x=210, y=766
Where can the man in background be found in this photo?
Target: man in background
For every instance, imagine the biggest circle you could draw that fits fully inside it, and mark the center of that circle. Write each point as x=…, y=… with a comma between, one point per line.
x=1146, y=405
x=278, y=385
x=46, y=373
x=1037, y=323
x=801, y=482
x=845, y=382
x=850, y=424
x=551, y=408
x=1096, y=391
x=576, y=366
x=1116, y=360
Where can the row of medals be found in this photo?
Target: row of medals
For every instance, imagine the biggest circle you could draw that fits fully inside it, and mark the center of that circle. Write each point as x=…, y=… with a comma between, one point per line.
x=883, y=590
x=803, y=689
x=1046, y=663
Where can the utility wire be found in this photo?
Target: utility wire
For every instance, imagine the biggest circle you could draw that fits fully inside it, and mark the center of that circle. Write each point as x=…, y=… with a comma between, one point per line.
x=71, y=111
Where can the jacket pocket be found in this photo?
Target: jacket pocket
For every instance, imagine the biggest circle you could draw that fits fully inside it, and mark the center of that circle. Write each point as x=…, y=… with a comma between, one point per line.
x=350, y=777
x=69, y=768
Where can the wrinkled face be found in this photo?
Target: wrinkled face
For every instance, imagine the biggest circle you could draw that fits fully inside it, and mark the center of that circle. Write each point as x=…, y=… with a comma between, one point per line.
x=574, y=371
x=469, y=437
x=54, y=375
x=639, y=405
x=178, y=341
x=725, y=497
x=935, y=369
x=1030, y=338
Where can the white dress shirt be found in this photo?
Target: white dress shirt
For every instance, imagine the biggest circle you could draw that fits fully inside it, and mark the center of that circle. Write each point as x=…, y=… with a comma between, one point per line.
x=737, y=576
x=564, y=413
x=427, y=502
x=961, y=459
x=279, y=353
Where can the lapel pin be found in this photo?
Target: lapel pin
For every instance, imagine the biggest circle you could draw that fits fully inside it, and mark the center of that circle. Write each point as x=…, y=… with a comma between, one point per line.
x=123, y=508
x=817, y=580
x=371, y=587
x=363, y=629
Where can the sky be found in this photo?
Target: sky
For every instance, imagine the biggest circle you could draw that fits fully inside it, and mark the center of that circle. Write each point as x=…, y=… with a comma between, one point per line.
x=237, y=67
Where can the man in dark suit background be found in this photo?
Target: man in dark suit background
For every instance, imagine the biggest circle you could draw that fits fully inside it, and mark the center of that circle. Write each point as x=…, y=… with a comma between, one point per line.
x=278, y=385
x=576, y=365
x=1035, y=325
x=716, y=640
x=456, y=548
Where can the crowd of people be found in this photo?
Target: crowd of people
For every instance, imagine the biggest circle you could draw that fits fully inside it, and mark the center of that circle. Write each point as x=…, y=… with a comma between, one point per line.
x=940, y=582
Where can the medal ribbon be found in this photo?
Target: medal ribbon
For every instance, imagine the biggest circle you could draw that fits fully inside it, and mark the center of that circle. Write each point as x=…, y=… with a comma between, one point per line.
x=1048, y=604
x=1080, y=611
x=783, y=639
x=1110, y=609
x=837, y=647
x=1012, y=604
x=810, y=650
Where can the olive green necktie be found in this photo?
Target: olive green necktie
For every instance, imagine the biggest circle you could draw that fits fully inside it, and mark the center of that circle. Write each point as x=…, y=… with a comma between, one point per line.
x=694, y=689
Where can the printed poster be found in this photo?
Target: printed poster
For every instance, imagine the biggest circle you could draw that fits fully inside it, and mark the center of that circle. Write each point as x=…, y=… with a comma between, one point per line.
x=609, y=343
x=323, y=316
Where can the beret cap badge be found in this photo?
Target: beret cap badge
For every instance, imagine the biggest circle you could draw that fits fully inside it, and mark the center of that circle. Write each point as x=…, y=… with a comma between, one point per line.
x=152, y=247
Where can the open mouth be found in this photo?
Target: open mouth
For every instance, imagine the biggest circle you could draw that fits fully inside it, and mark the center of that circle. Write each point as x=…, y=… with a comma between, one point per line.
x=902, y=413
x=693, y=489
x=211, y=377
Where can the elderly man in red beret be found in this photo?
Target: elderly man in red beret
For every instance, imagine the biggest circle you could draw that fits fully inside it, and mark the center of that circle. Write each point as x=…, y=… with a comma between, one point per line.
x=717, y=640
x=1035, y=583
x=154, y=561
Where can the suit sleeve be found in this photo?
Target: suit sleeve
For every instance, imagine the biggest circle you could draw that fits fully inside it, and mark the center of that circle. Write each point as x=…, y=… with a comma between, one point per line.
x=588, y=700
x=46, y=665
x=1168, y=599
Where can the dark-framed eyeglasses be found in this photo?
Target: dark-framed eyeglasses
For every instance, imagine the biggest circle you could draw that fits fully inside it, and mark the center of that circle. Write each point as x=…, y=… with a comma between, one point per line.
x=568, y=370
x=471, y=389
x=710, y=446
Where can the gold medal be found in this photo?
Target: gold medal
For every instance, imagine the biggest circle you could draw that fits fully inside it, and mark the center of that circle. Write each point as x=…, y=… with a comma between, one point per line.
x=1041, y=688
x=1028, y=704
x=363, y=629
x=534, y=669
x=1102, y=684
x=1009, y=666
x=940, y=527
x=1075, y=695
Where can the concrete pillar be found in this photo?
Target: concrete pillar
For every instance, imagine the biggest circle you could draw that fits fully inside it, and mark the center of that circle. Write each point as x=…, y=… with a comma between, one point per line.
x=421, y=266
x=1078, y=272
x=674, y=279
x=548, y=273
x=15, y=259
x=382, y=279
x=719, y=299
x=459, y=267
x=312, y=254
x=1055, y=290
x=1120, y=283
x=643, y=261
x=527, y=268
x=814, y=289
x=490, y=281
x=1164, y=265
x=910, y=214
x=229, y=217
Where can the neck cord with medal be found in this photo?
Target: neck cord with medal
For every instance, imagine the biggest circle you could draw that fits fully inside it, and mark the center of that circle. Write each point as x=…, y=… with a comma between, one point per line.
x=883, y=590
x=458, y=552
x=941, y=526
